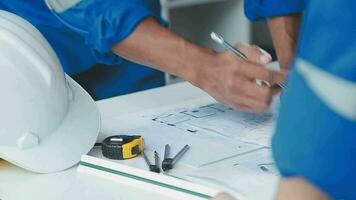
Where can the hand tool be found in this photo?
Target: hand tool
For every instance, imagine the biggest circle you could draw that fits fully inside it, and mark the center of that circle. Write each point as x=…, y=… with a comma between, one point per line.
x=155, y=167
x=168, y=163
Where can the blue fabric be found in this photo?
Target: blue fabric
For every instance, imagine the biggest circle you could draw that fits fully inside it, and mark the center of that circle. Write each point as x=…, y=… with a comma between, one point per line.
x=102, y=75
x=329, y=30
x=261, y=9
x=105, y=23
x=312, y=141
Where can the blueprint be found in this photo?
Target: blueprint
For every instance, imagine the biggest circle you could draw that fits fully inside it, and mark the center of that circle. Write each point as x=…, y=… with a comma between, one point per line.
x=215, y=132
x=219, y=138
x=220, y=120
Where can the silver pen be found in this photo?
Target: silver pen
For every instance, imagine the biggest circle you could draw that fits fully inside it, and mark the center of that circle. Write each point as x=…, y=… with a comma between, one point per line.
x=220, y=40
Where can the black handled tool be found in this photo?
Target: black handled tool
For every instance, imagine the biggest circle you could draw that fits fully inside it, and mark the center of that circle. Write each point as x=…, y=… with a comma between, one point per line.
x=168, y=163
x=155, y=167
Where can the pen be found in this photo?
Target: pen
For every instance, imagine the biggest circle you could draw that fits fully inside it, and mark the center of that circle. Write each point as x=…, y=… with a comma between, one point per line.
x=220, y=40
x=217, y=38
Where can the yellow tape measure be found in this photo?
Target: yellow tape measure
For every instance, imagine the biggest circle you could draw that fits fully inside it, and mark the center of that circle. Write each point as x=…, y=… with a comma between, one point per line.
x=121, y=147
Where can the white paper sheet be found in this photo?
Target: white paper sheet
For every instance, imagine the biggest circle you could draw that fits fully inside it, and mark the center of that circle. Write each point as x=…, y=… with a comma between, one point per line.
x=203, y=149
x=229, y=148
x=215, y=132
x=220, y=120
x=241, y=175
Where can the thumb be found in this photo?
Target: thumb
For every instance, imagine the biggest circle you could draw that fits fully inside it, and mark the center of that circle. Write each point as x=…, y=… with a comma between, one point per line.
x=254, y=53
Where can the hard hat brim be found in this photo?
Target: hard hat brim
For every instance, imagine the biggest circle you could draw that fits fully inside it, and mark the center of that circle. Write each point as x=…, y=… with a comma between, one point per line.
x=64, y=147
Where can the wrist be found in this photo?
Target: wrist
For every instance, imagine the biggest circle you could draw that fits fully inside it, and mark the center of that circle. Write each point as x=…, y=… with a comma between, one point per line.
x=284, y=31
x=196, y=60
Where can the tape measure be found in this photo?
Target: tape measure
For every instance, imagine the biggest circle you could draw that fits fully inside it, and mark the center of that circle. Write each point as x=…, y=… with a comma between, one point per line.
x=121, y=147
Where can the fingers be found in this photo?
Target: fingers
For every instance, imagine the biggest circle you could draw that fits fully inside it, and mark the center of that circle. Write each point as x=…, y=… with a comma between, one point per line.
x=246, y=95
x=250, y=89
x=258, y=57
x=254, y=53
x=256, y=71
x=232, y=81
x=251, y=104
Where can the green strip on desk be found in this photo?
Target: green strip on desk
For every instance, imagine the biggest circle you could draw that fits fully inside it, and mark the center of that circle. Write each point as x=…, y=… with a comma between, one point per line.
x=112, y=171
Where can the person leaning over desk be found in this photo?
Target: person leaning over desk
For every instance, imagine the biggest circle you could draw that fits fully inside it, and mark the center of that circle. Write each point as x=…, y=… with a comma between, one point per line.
x=315, y=141
x=87, y=34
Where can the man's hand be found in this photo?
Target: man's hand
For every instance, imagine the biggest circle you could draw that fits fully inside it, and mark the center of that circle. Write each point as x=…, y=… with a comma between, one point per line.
x=232, y=80
x=284, y=31
x=225, y=76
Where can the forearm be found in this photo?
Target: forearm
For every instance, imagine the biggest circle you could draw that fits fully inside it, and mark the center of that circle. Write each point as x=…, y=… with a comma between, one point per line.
x=224, y=76
x=284, y=31
x=155, y=46
x=298, y=188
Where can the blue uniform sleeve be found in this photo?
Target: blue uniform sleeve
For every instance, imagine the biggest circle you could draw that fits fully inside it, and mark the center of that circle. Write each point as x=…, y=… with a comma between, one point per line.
x=316, y=133
x=106, y=23
x=261, y=9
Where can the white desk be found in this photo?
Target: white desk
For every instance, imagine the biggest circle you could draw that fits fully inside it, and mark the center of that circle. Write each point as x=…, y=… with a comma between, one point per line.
x=16, y=183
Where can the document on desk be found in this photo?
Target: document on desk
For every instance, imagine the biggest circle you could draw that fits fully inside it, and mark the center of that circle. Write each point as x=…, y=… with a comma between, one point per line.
x=220, y=120
x=215, y=132
x=220, y=138
x=252, y=175
x=205, y=150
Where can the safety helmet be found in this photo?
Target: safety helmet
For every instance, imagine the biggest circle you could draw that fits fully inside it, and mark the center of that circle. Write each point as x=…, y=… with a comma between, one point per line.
x=47, y=120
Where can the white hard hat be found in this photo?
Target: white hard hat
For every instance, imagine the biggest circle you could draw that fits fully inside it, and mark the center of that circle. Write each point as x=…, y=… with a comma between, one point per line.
x=47, y=120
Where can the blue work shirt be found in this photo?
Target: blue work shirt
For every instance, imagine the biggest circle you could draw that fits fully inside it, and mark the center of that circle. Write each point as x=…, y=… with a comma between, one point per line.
x=106, y=23
x=316, y=133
